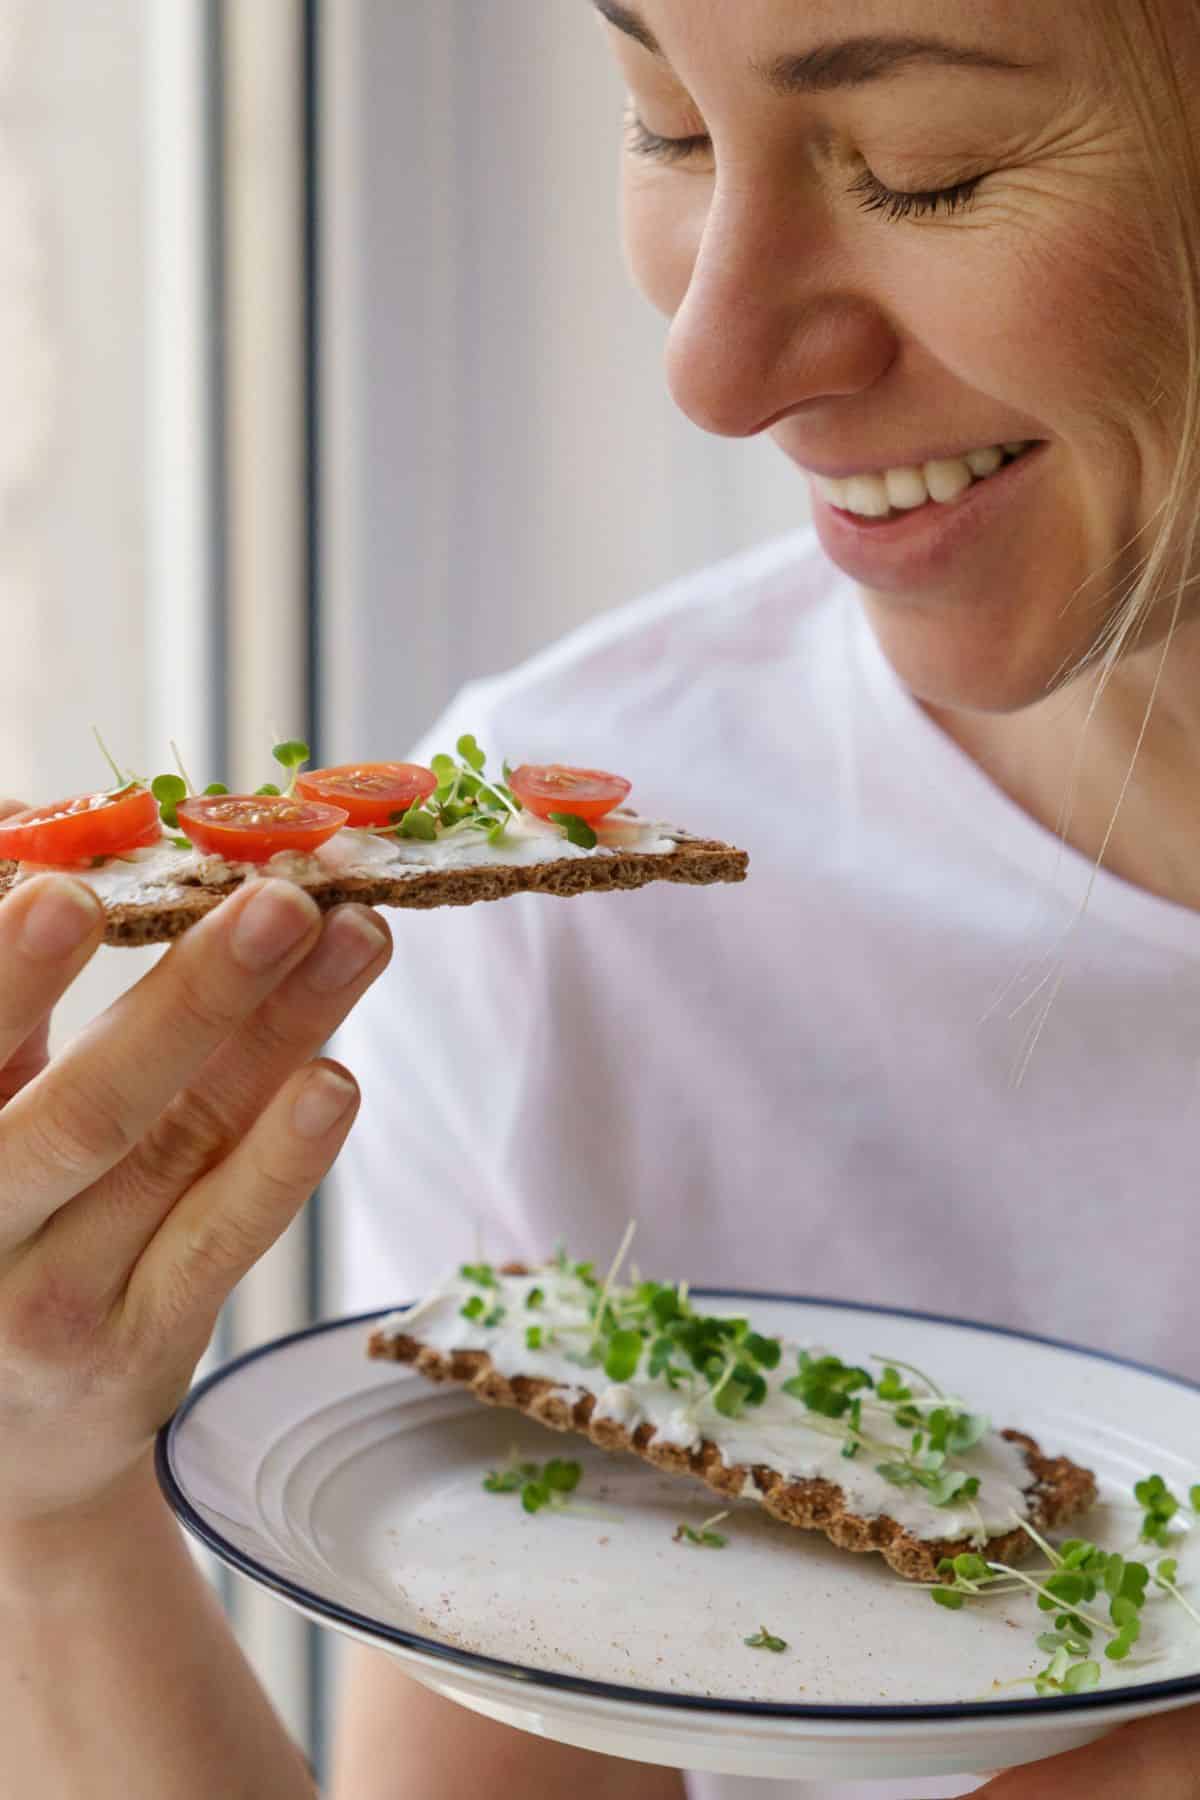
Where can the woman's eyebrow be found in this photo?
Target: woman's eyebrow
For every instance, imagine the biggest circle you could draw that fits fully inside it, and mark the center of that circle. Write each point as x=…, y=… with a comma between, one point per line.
x=852, y=63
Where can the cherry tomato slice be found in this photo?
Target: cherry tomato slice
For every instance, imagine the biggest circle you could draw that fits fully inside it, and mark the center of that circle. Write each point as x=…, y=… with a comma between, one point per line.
x=370, y=792
x=89, y=825
x=252, y=827
x=550, y=787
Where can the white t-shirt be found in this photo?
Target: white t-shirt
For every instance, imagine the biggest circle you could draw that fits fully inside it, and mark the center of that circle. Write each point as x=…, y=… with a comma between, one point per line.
x=806, y=1082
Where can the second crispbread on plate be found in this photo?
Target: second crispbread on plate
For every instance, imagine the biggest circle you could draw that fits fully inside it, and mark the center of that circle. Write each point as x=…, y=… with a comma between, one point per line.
x=566, y=1395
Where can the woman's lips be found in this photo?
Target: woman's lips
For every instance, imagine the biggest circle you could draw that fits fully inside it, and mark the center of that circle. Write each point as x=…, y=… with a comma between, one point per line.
x=914, y=546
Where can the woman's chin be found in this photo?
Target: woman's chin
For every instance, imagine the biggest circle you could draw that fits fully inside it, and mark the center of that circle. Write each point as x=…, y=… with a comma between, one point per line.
x=980, y=667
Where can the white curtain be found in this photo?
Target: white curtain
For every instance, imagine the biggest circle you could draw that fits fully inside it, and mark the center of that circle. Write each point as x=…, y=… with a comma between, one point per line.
x=498, y=457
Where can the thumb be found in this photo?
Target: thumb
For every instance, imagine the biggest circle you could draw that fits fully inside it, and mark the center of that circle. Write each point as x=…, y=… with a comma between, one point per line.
x=1152, y=1759
x=30, y=1057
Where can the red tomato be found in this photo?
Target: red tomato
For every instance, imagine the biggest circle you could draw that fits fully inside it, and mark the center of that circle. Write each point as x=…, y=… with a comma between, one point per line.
x=551, y=788
x=252, y=827
x=74, y=831
x=370, y=792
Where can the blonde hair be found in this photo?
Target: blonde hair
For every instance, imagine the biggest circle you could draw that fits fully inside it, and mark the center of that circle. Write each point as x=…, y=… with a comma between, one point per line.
x=1143, y=40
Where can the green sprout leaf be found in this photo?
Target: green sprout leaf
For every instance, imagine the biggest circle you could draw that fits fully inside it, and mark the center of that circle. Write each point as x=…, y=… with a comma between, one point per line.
x=1161, y=1507
x=765, y=1351
x=562, y=1477
x=168, y=790
x=471, y=754
x=577, y=830
x=479, y=1274
x=624, y=1353
x=764, y=1640
x=474, y=1308
x=416, y=823
x=292, y=754
x=534, y=1336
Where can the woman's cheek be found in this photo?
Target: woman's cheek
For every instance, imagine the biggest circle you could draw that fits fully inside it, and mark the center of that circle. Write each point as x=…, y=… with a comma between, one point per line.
x=663, y=225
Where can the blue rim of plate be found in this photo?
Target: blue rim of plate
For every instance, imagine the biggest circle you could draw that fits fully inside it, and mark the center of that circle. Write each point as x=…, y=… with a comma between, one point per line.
x=1098, y=1700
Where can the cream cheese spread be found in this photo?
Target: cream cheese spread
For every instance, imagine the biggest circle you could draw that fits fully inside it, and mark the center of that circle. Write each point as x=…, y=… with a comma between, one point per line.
x=778, y=1434
x=161, y=871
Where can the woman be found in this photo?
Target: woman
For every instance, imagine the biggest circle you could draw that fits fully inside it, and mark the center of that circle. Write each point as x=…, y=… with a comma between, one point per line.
x=902, y=237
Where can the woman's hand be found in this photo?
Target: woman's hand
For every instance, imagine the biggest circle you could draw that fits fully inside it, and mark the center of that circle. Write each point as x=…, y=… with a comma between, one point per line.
x=1155, y=1759
x=151, y=1164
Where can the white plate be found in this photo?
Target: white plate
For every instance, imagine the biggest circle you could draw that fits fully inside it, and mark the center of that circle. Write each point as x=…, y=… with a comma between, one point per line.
x=352, y=1489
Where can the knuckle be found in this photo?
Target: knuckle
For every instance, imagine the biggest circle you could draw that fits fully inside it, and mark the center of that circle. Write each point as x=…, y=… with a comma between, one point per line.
x=275, y=1033
x=203, y=1002
x=274, y=1187
x=186, y=1140
x=225, y=1243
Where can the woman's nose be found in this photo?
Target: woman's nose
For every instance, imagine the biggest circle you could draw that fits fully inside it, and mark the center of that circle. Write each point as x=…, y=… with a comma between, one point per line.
x=767, y=324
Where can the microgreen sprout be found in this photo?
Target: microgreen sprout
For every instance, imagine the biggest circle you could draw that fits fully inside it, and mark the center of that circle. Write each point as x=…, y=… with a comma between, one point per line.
x=837, y=1391
x=540, y=1486
x=703, y=1535
x=479, y=1274
x=764, y=1640
x=1078, y=1576
x=464, y=800
x=1160, y=1506
x=292, y=756
x=1165, y=1577
x=123, y=778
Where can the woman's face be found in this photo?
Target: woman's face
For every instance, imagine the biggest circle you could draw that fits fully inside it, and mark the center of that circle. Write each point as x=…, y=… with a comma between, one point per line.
x=1014, y=302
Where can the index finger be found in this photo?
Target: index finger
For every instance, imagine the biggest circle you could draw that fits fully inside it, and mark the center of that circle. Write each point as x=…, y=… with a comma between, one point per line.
x=89, y=1108
x=48, y=928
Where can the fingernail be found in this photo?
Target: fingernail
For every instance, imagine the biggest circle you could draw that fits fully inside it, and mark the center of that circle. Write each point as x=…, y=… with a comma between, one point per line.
x=324, y=1098
x=351, y=941
x=63, y=914
x=269, y=924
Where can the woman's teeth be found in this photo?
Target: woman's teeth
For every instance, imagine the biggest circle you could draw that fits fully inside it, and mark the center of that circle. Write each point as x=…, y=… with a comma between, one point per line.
x=901, y=490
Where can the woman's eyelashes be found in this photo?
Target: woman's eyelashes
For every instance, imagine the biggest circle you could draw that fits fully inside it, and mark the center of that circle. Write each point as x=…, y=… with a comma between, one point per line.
x=641, y=141
x=872, y=194
x=893, y=203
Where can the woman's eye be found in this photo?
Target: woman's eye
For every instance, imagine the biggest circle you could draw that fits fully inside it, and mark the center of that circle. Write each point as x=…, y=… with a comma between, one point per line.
x=641, y=141
x=875, y=197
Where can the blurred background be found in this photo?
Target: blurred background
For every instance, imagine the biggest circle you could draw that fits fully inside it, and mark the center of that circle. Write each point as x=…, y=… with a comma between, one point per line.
x=322, y=389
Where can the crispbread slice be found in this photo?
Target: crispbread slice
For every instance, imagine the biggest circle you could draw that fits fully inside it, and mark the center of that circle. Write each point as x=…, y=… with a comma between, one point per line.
x=1062, y=1489
x=694, y=861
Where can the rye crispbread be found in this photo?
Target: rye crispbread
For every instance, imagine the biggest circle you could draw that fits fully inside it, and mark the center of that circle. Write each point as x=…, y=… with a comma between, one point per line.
x=697, y=862
x=1061, y=1492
